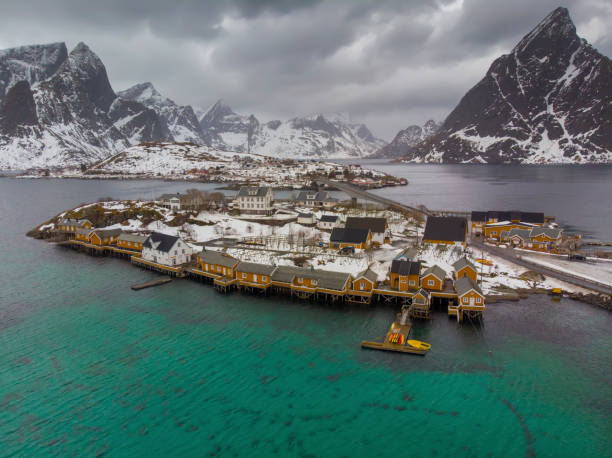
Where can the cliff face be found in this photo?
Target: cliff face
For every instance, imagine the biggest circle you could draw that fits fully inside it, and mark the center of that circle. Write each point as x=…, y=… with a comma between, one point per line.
x=548, y=101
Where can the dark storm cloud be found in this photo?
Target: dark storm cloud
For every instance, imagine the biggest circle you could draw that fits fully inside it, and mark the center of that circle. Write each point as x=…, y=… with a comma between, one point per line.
x=388, y=63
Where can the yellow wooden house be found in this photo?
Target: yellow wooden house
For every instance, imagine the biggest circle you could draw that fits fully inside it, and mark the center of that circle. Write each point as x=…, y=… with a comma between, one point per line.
x=83, y=234
x=365, y=281
x=251, y=274
x=357, y=238
x=129, y=241
x=214, y=262
x=102, y=237
x=433, y=278
x=469, y=295
x=404, y=275
x=464, y=268
x=70, y=226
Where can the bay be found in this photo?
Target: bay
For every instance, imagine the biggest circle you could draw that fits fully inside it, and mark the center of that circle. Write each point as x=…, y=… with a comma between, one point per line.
x=88, y=366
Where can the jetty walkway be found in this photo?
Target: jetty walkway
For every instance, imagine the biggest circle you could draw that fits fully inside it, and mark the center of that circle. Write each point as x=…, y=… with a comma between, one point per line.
x=355, y=191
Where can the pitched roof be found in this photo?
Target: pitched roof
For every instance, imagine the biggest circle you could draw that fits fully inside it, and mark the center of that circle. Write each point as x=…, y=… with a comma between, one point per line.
x=333, y=280
x=102, y=233
x=445, y=228
x=160, y=242
x=325, y=279
x=250, y=191
x=217, y=258
x=401, y=267
x=84, y=231
x=128, y=237
x=318, y=196
x=255, y=268
x=305, y=215
x=479, y=216
x=73, y=222
x=369, y=274
x=465, y=284
x=374, y=224
x=437, y=271
x=463, y=262
x=521, y=233
x=349, y=235
x=551, y=232
x=328, y=218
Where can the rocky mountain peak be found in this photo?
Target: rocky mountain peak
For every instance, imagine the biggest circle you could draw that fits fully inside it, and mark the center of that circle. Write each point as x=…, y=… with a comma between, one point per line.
x=86, y=67
x=545, y=102
x=32, y=63
x=215, y=113
x=142, y=92
x=18, y=109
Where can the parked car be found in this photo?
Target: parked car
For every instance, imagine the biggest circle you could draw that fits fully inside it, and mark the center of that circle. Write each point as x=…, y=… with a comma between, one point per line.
x=347, y=250
x=576, y=257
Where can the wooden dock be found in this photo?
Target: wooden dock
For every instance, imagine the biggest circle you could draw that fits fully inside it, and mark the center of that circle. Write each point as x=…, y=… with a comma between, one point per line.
x=401, y=326
x=149, y=284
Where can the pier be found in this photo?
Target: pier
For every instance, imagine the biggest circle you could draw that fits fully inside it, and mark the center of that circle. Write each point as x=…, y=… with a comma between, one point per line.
x=150, y=284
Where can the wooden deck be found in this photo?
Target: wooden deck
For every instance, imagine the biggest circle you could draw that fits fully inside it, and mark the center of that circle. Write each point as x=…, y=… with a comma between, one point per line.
x=149, y=284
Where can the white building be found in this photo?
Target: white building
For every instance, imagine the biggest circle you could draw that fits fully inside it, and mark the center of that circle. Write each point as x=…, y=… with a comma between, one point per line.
x=167, y=250
x=307, y=219
x=328, y=222
x=255, y=200
x=170, y=201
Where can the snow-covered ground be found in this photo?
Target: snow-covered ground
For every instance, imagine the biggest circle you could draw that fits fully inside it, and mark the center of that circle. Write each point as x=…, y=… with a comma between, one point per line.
x=596, y=271
x=282, y=245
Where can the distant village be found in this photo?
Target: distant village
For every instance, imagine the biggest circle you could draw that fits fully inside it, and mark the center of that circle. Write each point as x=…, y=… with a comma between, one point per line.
x=312, y=246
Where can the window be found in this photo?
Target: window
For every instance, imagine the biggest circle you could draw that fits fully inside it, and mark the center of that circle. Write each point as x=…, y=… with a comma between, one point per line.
x=430, y=282
x=361, y=286
x=299, y=280
x=411, y=283
x=243, y=275
x=478, y=300
x=466, y=300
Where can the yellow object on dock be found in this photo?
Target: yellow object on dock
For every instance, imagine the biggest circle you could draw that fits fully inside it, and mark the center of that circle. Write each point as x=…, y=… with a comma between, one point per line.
x=419, y=344
x=486, y=262
x=393, y=347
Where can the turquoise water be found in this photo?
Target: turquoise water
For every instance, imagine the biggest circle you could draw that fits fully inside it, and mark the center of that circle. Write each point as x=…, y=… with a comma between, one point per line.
x=90, y=367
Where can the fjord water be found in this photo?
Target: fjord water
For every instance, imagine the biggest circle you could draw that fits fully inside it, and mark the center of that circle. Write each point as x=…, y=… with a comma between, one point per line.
x=88, y=366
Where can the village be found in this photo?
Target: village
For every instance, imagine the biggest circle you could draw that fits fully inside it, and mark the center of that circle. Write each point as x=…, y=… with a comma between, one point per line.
x=314, y=247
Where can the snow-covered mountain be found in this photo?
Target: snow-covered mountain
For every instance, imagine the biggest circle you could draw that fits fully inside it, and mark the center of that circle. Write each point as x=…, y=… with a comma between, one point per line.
x=64, y=111
x=407, y=139
x=548, y=101
x=180, y=122
x=324, y=136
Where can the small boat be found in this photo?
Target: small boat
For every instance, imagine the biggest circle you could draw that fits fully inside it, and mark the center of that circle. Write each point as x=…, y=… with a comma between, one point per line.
x=418, y=344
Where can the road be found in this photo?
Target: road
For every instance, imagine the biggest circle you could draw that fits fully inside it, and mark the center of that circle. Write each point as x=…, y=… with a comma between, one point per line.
x=358, y=192
x=510, y=255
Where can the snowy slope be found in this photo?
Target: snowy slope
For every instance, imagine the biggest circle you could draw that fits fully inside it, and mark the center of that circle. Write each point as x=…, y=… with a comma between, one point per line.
x=408, y=138
x=69, y=118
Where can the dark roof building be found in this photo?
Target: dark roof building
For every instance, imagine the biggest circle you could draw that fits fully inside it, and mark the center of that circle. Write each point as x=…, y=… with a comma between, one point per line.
x=445, y=229
x=346, y=235
x=255, y=268
x=217, y=258
x=160, y=242
x=253, y=191
x=513, y=215
x=373, y=224
x=401, y=267
x=328, y=218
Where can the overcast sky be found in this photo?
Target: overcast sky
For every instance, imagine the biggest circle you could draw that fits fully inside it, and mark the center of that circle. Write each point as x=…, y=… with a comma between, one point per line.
x=386, y=63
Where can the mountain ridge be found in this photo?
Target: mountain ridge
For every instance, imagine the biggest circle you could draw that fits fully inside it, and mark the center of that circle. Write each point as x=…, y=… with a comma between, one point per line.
x=548, y=101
